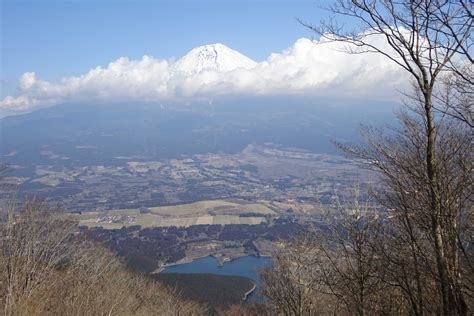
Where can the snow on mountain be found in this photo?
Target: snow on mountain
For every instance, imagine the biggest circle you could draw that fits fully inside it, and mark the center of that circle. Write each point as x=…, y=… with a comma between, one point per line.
x=215, y=57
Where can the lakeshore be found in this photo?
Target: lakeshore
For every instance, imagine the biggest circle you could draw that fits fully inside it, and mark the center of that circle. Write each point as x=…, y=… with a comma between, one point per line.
x=249, y=292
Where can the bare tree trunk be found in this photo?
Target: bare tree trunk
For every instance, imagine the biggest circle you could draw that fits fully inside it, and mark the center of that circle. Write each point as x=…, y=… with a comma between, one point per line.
x=453, y=302
x=436, y=216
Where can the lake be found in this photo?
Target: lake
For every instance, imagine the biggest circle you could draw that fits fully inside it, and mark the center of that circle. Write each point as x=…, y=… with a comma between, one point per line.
x=248, y=266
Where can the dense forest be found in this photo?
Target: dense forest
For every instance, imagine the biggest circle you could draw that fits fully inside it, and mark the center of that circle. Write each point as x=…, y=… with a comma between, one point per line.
x=212, y=289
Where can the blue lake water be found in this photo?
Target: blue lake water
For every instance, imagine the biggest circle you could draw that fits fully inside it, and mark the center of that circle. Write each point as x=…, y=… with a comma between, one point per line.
x=248, y=266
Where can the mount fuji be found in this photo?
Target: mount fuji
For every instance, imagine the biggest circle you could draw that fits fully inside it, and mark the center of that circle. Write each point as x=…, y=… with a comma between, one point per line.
x=214, y=57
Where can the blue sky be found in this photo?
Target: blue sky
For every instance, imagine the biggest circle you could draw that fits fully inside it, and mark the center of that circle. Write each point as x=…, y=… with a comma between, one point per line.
x=63, y=38
x=55, y=52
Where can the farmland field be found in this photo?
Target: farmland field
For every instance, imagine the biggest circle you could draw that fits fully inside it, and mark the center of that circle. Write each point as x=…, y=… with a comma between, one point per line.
x=203, y=207
x=222, y=212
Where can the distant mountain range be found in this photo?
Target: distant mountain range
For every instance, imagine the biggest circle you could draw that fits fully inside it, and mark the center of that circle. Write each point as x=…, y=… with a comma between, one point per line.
x=105, y=134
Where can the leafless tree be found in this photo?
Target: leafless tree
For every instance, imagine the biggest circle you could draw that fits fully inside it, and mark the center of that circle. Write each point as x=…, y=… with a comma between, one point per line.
x=409, y=246
x=455, y=97
x=334, y=269
x=426, y=38
x=289, y=284
x=32, y=244
x=48, y=269
x=349, y=267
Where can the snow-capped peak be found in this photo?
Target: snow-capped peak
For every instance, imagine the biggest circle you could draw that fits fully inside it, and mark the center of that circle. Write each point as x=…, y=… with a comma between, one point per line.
x=217, y=57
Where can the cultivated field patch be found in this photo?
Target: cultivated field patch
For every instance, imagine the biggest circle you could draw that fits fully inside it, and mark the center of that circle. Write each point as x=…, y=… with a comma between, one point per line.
x=219, y=212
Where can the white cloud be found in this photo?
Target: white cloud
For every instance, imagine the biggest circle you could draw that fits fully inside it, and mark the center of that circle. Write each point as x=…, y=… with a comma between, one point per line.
x=307, y=67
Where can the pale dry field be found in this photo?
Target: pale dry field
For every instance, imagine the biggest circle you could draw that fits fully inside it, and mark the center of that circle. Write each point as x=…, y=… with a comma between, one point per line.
x=184, y=215
x=150, y=220
x=203, y=207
